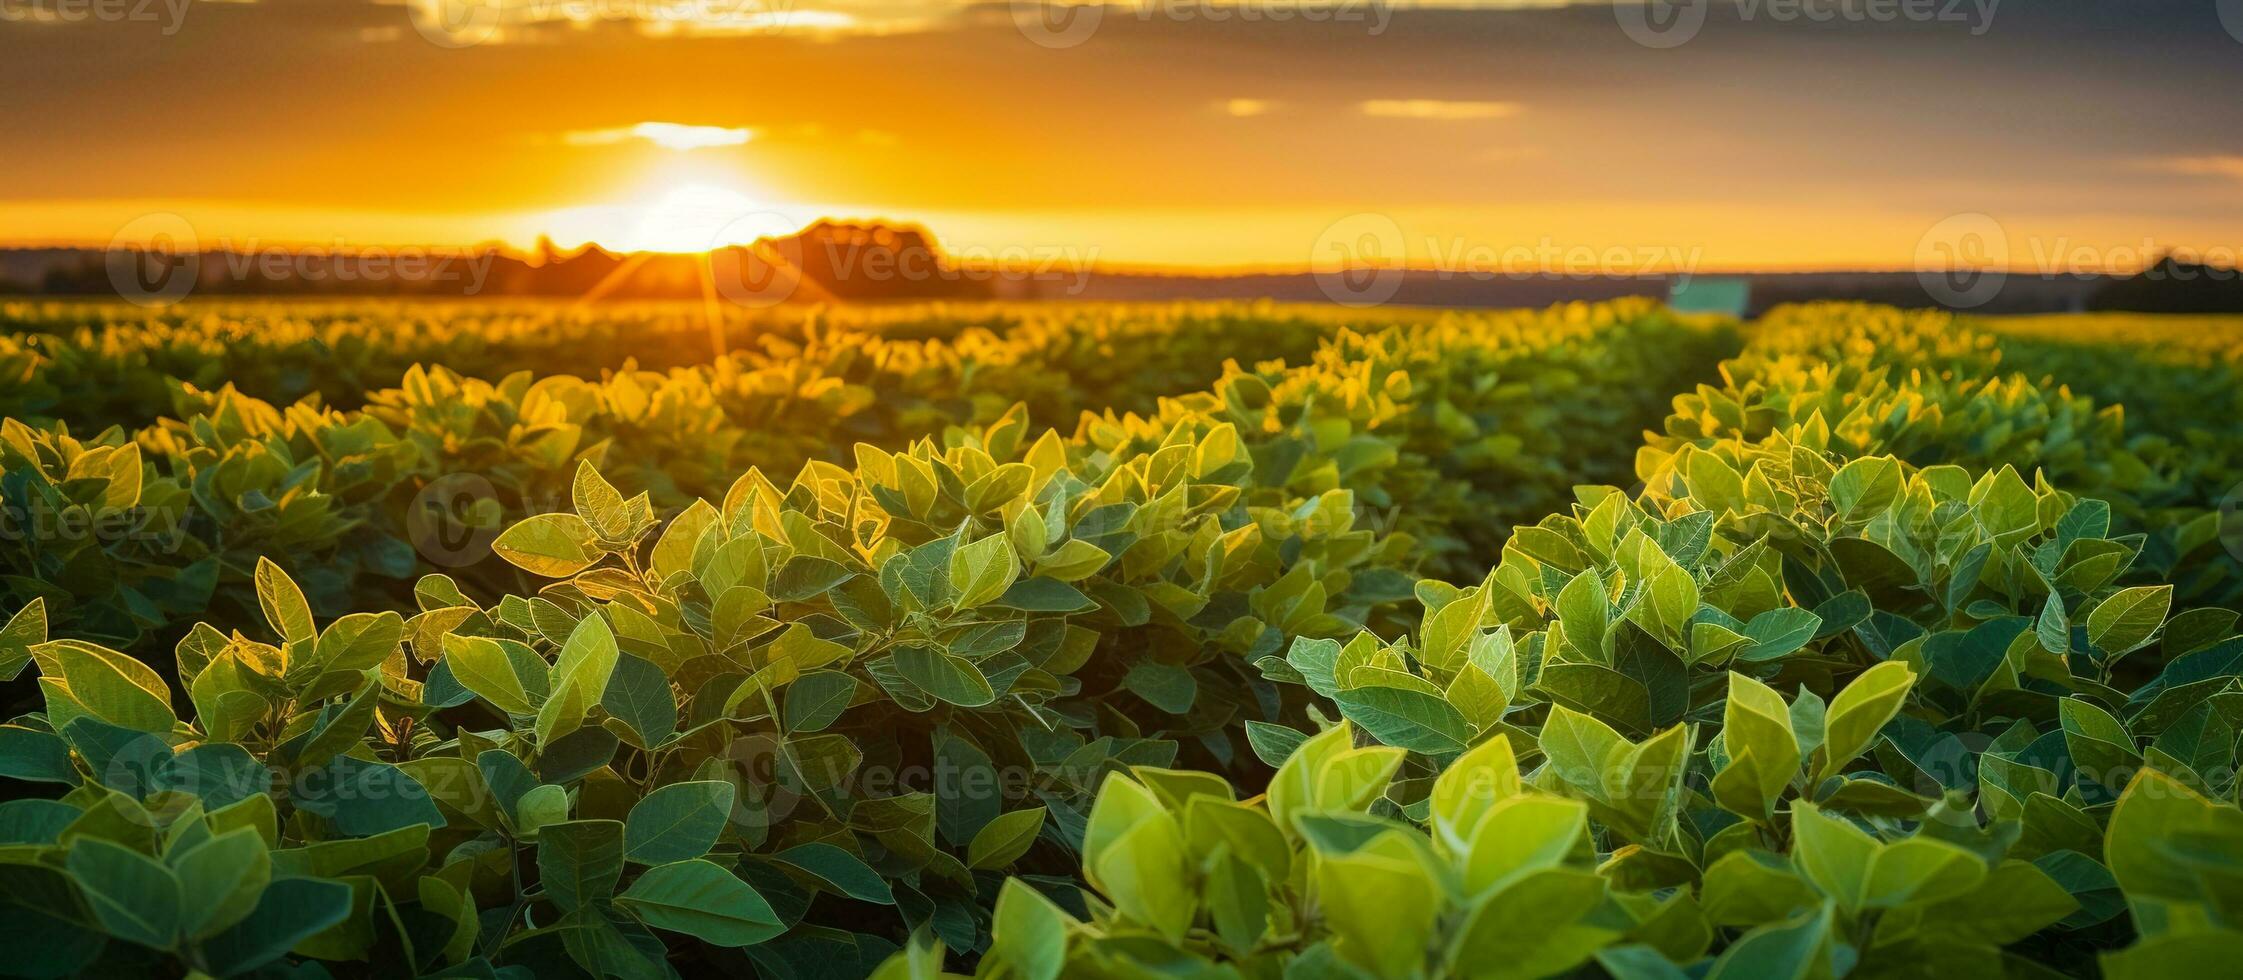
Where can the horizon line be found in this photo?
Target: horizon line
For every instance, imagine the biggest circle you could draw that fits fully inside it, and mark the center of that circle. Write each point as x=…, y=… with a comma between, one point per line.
x=500, y=247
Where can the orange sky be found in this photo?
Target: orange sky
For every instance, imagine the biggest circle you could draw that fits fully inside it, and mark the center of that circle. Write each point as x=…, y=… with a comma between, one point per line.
x=1455, y=138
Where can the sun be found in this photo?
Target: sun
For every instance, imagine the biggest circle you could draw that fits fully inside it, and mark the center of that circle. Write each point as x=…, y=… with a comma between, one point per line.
x=675, y=213
x=696, y=218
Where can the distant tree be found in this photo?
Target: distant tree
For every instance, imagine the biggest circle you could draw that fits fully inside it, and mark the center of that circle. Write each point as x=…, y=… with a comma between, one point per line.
x=2174, y=286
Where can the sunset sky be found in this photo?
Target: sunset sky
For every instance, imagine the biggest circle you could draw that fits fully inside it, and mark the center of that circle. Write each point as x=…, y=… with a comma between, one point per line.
x=1231, y=135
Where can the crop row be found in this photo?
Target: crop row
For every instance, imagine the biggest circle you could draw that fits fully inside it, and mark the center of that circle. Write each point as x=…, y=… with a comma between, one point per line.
x=130, y=537
x=1835, y=688
x=97, y=365
x=1801, y=707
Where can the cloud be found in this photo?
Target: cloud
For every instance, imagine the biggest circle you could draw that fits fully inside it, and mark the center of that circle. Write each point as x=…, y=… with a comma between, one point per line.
x=1243, y=108
x=667, y=135
x=1440, y=109
x=2230, y=167
x=462, y=23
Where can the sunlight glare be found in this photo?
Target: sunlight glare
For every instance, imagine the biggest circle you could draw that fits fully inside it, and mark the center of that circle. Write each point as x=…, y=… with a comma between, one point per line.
x=675, y=216
x=691, y=218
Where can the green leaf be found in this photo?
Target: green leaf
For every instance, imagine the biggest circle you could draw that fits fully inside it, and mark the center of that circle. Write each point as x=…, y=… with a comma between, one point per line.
x=2099, y=745
x=1584, y=608
x=2054, y=628
x=1752, y=887
x=1273, y=744
x=1028, y=933
x=35, y=821
x=1044, y=595
x=114, y=687
x=1756, y=728
x=1144, y=872
x=1381, y=908
x=2156, y=810
x=132, y=896
x=983, y=570
x=816, y=700
x=1535, y=927
x=2006, y=506
x=284, y=604
x=1471, y=786
x=1778, y=633
x=35, y=756
x=221, y=880
x=968, y=794
x=678, y=822
x=1003, y=840
x=844, y=871
x=1407, y=719
x=804, y=650
x=1121, y=804
x=673, y=552
x=482, y=666
x=44, y=946
x=1522, y=835
x=2125, y=622
x=1714, y=484
x=1315, y=660
x=1920, y=869
x=2013, y=902
x=26, y=629
x=595, y=940
x=290, y=911
x=508, y=778
x=702, y=900
x=1579, y=748
x=945, y=677
x=806, y=577
x=1860, y=711
x=1837, y=856
x=340, y=729
x=1237, y=900
x=359, y=641
x=598, y=502
x=1165, y=686
x=1673, y=599
x=363, y=798
x=580, y=861
x=1792, y=950
x=639, y=696
x=1865, y=487
x=548, y=545
x=2211, y=953
x=540, y=807
x=580, y=677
